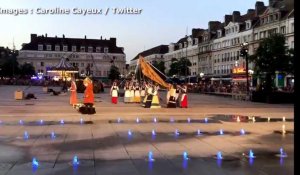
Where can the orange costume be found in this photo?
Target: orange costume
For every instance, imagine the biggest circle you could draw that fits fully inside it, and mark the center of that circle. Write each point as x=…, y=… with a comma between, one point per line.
x=73, y=97
x=88, y=93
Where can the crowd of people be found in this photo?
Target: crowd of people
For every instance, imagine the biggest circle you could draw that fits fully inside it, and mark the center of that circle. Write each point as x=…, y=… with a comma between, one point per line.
x=147, y=93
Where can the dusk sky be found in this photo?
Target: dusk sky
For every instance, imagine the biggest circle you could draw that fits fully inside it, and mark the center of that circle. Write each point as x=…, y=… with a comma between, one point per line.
x=161, y=21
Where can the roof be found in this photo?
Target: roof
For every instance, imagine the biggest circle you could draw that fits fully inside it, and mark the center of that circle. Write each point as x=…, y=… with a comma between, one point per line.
x=63, y=65
x=78, y=42
x=161, y=49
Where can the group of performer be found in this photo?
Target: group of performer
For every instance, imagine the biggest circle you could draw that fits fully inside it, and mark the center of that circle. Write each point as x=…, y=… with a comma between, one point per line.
x=88, y=98
x=147, y=94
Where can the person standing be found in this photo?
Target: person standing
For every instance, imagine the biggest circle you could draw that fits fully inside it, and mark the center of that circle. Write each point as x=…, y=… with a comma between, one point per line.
x=184, y=99
x=114, y=93
x=171, y=103
x=127, y=93
x=143, y=91
x=73, y=90
x=137, y=93
x=88, y=92
x=149, y=96
x=131, y=92
x=155, y=99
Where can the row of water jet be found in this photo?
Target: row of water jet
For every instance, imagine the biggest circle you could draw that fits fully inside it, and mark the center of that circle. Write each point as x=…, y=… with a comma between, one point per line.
x=41, y=122
x=155, y=120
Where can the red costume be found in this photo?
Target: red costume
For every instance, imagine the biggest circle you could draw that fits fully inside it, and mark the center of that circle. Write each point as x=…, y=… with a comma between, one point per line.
x=73, y=97
x=88, y=93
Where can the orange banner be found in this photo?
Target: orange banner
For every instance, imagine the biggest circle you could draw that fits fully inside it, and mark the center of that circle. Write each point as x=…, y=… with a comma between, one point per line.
x=150, y=73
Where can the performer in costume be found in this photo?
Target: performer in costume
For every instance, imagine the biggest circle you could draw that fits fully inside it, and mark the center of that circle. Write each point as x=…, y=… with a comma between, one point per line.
x=73, y=90
x=114, y=93
x=146, y=94
x=127, y=93
x=143, y=91
x=184, y=100
x=177, y=95
x=137, y=94
x=155, y=98
x=172, y=97
x=88, y=92
x=131, y=92
x=149, y=96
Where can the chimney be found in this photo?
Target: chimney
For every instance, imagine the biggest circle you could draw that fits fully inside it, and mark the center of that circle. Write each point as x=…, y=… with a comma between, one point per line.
x=101, y=37
x=113, y=41
x=227, y=19
x=236, y=16
x=46, y=35
x=259, y=6
x=196, y=31
x=250, y=11
x=84, y=36
x=63, y=36
x=33, y=37
x=213, y=25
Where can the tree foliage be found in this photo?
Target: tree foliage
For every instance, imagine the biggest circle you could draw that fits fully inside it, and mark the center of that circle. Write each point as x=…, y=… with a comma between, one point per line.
x=272, y=55
x=180, y=67
x=114, y=73
x=160, y=66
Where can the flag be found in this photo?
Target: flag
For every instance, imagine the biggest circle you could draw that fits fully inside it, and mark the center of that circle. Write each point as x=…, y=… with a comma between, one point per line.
x=148, y=71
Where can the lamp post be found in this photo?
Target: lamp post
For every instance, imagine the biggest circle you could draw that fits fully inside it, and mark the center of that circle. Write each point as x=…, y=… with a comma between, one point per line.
x=244, y=53
x=201, y=75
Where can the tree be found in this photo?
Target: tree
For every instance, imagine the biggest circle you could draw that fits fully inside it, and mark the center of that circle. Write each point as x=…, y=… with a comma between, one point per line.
x=272, y=55
x=160, y=66
x=114, y=73
x=9, y=66
x=27, y=69
x=180, y=67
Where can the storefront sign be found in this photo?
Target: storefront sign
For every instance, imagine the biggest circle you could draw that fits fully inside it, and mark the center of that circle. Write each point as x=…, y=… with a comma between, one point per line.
x=238, y=70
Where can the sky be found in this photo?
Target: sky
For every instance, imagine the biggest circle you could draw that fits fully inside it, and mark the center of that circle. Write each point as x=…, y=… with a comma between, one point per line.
x=160, y=22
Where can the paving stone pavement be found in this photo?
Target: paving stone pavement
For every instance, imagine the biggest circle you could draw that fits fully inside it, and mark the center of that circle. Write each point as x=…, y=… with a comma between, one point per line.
x=103, y=145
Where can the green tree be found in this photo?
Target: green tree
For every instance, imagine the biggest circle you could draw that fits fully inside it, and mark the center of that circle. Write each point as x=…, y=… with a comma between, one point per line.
x=9, y=66
x=180, y=67
x=27, y=69
x=160, y=66
x=272, y=55
x=114, y=73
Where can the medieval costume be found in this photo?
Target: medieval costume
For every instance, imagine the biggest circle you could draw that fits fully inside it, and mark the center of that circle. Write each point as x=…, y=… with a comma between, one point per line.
x=177, y=95
x=88, y=93
x=143, y=92
x=137, y=94
x=184, y=102
x=73, y=89
x=132, y=93
x=114, y=93
x=171, y=102
x=127, y=94
x=155, y=98
x=148, y=98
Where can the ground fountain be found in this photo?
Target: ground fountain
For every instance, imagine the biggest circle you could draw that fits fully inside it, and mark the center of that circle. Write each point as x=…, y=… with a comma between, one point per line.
x=35, y=163
x=205, y=120
x=153, y=132
x=155, y=120
x=21, y=122
x=137, y=120
x=52, y=135
x=177, y=132
x=150, y=157
x=189, y=120
x=185, y=156
x=238, y=119
x=242, y=132
x=119, y=120
x=26, y=135
x=75, y=161
x=172, y=120
x=41, y=122
x=221, y=132
x=81, y=121
x=62, y=122
x=198, y=132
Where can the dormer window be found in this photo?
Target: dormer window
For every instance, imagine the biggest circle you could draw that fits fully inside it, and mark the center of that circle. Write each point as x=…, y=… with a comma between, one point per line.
x=105, y=49
x=196, y=40
x=57, y=48
x=90, y=49
x=98, y=49
x=180, y=46
x=65, y=48
x=73, y=48
x=49, y=47
x=82, y=49
x=40, y=47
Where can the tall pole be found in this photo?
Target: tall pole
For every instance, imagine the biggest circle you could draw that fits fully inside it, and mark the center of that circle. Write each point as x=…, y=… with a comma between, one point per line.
x=247, y=74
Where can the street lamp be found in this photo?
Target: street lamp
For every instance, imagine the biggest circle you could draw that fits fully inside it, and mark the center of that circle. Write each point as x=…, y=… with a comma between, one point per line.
x=244, y=53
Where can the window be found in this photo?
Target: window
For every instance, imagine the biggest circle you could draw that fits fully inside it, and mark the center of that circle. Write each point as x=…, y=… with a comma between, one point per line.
x=196, y=40
x=49, y=48
x=98, y=49
x=57, y=48
x=276, y=17
x=105, y=49
x=82, y=64
x=42, y=64
x=82, y=49
x=65, y=48
x=90, y=49
x=74, y=48
x=256, y=36
x=282, y=29
x=292, y=27
x=40, y=47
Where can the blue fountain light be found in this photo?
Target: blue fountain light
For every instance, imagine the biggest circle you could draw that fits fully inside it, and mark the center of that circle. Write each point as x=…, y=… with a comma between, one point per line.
x=41, y=122
x=172, y=120
x=219, y=155
x=206, y=120
x=198, y=132
x=119, y=120
x=35, y=162
x=129, y=133
x=21, y=122
x=75, y=161
x=52, y=135
x=242, y=132
x=153, y=132
x=155, y=120
x=189, y=120
x=150, y=156
x=62, y=122
x=185, y=156
x=137, y=120
x=221, y=132
x=251, y=154
x=177, y=132
x=81, y=121
x=282, y=153
x=26, y=135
